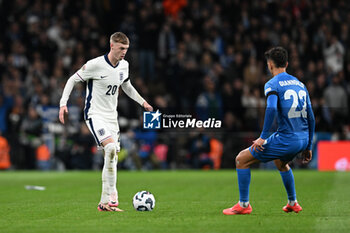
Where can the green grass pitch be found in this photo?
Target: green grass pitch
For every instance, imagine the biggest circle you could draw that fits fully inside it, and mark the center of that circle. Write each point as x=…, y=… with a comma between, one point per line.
x=186, y=201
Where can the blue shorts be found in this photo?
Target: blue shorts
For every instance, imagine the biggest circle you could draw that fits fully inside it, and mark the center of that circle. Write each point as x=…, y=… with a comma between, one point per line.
x=279, y=147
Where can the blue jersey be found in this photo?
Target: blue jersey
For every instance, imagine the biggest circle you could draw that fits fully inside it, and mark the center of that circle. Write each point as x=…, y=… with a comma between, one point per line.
x=292, y=107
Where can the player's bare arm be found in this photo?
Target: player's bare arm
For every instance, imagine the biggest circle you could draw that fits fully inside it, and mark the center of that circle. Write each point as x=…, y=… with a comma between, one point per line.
x=63, y=111
x=258, y=144
x=307, y=156
x=147, y=107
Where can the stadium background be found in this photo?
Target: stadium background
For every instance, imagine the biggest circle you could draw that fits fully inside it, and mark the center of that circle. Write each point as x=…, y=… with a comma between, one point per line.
x=203, y=58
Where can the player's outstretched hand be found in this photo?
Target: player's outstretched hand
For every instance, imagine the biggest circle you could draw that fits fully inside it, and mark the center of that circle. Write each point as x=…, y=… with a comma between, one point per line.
x=63, y=110
x=147, y=107
x=258, y=144
x=306, y=155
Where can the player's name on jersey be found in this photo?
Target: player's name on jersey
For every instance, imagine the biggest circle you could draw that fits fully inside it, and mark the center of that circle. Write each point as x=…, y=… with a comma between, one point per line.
x=191, y=123
x=290, y=82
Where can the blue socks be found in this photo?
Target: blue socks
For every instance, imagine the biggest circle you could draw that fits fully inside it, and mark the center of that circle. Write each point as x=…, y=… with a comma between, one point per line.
x=288, y=181
x=243, y=184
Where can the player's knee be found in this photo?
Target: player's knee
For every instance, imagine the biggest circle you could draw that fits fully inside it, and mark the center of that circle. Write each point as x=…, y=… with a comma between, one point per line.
x=281, y=165
x=110, y=150
x=284, y=168
x=238, y=159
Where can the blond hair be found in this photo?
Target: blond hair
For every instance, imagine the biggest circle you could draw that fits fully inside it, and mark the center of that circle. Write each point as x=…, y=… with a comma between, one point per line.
x=119, y=37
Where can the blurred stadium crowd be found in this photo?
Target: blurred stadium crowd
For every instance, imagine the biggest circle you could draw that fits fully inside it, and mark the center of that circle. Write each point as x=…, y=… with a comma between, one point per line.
x=203, y=58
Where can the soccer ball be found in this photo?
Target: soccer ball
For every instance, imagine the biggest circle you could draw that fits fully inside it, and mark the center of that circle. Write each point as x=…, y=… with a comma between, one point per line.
x=143, y=201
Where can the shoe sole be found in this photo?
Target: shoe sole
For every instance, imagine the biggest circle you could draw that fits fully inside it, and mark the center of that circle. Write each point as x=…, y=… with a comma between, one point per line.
x=234, y=213
x=287, y=210
x=106, y=210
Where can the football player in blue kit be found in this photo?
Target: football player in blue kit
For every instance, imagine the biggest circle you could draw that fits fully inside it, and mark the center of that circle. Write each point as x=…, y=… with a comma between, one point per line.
x=288, y=99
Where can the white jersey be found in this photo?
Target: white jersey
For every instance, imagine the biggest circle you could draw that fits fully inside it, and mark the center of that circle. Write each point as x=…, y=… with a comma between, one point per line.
x=103, y=82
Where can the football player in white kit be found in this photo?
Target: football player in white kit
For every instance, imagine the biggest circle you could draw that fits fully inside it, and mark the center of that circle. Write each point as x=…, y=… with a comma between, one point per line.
x=104, y=75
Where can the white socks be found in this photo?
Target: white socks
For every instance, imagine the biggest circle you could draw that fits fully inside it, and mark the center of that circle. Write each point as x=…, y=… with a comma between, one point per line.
x=105, y=189
x=244, y=204
x=109, y=174
x=292, y=203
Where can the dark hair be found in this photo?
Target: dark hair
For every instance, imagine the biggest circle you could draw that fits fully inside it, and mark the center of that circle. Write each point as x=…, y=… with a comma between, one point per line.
x=278, y=55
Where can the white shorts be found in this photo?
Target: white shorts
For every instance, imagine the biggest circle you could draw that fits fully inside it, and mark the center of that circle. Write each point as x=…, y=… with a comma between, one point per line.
x=103, y=130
